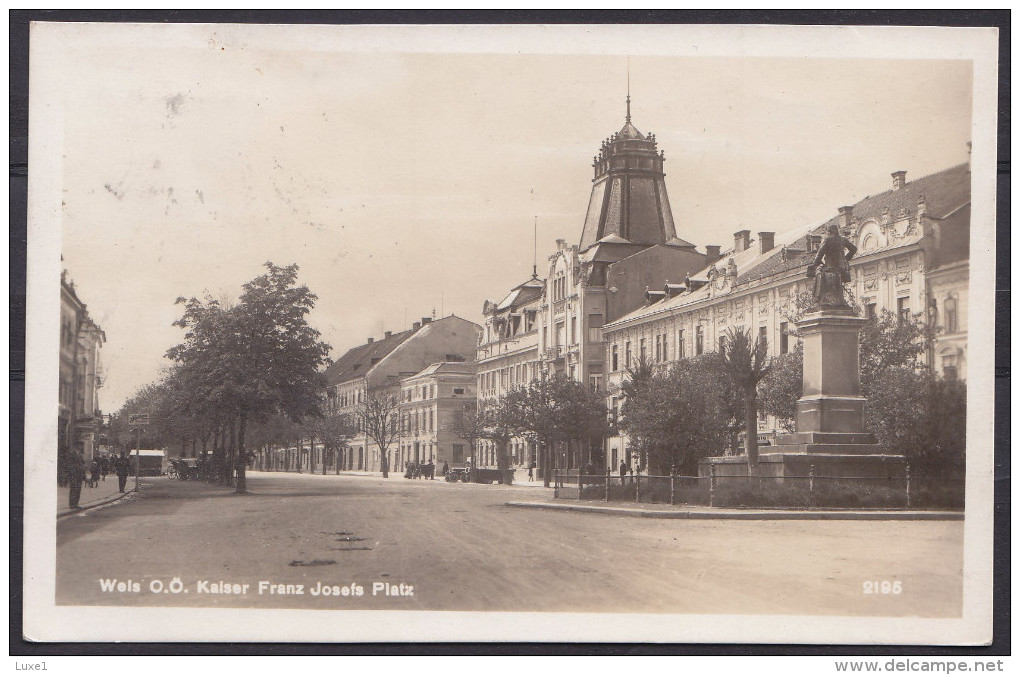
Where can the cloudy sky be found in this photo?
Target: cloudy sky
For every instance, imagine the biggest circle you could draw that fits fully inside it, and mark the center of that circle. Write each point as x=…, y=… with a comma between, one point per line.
x=406, y=183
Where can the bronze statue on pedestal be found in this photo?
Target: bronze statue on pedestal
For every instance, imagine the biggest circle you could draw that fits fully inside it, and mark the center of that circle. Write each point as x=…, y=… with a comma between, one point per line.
x=831, y=269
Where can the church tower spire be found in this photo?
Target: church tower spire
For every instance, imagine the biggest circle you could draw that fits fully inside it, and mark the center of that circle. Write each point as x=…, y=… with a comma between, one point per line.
x=628, y=196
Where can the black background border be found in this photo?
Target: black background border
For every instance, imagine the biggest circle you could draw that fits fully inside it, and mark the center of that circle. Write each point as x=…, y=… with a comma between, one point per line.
x=18, y=182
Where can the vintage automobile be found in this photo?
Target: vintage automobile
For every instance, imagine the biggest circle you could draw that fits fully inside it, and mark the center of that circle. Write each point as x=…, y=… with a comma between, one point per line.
x=468, y=474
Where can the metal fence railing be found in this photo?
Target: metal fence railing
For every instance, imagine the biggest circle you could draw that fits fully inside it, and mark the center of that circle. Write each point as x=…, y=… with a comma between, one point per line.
x=901, y=491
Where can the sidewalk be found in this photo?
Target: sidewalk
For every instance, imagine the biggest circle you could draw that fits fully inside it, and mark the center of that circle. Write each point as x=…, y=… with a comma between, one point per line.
x=711, y=513
x=105, y=493
x=375, y=474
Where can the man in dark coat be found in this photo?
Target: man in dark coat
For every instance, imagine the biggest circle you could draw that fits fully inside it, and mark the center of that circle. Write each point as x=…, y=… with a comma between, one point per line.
x=122, y=466
x=623, y=471
x=75, y=476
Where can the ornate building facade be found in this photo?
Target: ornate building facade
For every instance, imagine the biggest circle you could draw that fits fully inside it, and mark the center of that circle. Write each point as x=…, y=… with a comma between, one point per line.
x=376, y=369
x=913, y=258
x=628, y=245
x=433, y=404
x=79, y=418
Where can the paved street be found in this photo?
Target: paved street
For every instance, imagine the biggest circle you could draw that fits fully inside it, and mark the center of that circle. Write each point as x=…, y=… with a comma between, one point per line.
x=460, y=548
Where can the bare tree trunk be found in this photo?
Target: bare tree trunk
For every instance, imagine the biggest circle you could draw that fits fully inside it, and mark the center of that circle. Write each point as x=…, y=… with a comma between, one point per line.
x=232, y=437
x=240, y=461
x=751, y=431
x=546, y=453
x=503, y=462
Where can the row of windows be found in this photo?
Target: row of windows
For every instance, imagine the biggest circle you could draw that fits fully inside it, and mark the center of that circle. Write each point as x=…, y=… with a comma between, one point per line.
x=349, y=398
x=594, y=331
x=661, y=354
x=508, y=377
x=426, y=391
x=419, y=420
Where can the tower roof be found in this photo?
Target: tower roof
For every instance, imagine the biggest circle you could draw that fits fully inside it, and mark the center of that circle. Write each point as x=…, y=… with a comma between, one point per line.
x=629, y=133
x=628, y=198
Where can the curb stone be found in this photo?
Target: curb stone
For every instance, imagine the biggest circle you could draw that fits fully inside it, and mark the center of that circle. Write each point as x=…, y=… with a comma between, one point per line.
x=114, y=498
x=731, y=514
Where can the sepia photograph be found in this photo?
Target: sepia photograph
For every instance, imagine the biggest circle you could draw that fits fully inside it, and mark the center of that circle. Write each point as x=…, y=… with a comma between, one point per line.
x=568, y=333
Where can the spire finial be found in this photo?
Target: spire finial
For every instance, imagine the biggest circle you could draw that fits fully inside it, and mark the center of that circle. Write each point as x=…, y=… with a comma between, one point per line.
x=534, y=263
x=628, y=90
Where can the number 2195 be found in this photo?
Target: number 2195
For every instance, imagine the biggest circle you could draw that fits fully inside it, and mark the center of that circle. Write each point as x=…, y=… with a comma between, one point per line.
x=883, y=587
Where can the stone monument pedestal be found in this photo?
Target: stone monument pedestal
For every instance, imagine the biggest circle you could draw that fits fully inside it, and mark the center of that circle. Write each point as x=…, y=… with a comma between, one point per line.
x=830, y=436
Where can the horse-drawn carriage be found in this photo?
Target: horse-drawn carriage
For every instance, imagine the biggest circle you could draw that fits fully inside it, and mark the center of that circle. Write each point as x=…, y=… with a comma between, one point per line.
x=183, y=469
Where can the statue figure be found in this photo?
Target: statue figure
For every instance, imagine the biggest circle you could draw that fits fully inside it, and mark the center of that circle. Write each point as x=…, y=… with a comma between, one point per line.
x=831, y=269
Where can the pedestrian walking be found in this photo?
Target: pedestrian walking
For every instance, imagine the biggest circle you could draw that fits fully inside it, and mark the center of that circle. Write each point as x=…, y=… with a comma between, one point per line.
x=446, y=468
x=122, y=467
x=75, y=476
x=431, y=470
x=531, y=471
x=623, y=471
x=94, y=474
x=104, y=467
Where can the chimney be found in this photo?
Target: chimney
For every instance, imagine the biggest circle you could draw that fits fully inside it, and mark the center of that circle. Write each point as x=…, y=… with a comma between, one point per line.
x=899, y=179
x=813, y=242
x=426, y=320
x=371, y=340
x=846, y=216
x=766, y=240
x=387, y=334
x=741, y=241
x=712, y=254
x=416, y=325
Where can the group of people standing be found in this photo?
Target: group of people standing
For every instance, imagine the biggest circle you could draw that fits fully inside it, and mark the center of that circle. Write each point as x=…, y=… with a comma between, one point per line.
x=420, y=470
x=78, y=472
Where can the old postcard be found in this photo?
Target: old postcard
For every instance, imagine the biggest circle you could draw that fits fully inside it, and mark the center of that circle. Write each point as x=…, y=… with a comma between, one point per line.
x=655, y=333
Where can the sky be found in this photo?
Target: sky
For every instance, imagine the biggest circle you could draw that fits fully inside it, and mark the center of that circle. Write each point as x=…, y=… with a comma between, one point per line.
x=405, y=183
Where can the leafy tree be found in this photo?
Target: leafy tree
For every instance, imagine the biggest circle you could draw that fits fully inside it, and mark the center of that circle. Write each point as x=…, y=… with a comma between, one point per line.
x=886, y=342
x=379, y=417
x=780, y=389
x=745, y=363
x=255, y=359
x=548, y=411
x=581, y=413
x=530, y=412
x=922, y=417
x=335, y=432
x=677, y=415
x=889, y=341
